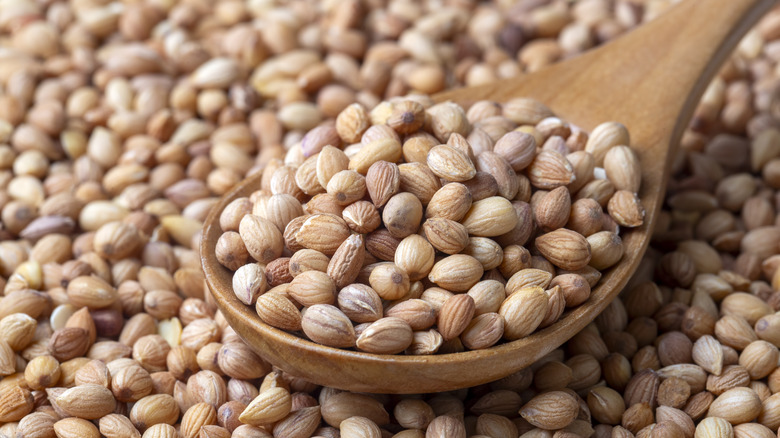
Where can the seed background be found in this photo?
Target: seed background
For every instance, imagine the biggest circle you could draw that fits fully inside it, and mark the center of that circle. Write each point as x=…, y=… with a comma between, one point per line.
x=122, y=122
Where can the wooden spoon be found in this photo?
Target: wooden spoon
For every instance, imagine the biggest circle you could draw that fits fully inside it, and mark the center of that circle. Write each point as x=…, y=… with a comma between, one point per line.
x=650, y=80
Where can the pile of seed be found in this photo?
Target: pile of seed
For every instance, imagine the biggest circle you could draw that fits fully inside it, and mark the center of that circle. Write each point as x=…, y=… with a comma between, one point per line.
x=122, y=122
x=413, y=215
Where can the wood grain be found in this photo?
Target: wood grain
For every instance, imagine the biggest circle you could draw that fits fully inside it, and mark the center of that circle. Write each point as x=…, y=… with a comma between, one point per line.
x=650, y=80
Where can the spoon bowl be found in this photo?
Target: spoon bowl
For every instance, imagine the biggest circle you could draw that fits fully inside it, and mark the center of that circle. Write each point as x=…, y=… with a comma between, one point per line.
x=650, y=80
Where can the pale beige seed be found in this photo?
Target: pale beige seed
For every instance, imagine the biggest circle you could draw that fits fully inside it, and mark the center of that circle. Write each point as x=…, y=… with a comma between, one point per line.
x=92, y=292
x=708, y=354
x=623, y=168
x=604, y=137
x=197, y=416
x=313, y=287
x=327, y=325
x=738, y=405
x=445, y=426
x=249, y=282
x=154, y=409
x=389, y=281
x=488, y=296
x=415, y=255
x=271, y=405
x=450, y=163
x=360, y=303
x=359, y=427
x=565, y=249
x=523, y=311
x=15, y=403
x=457, y=272
x=161, y=430
x=402, y=214
x=18, y=330
x=42, y=372
x=413, y=413
x=385, y=149
x=117, y=426
x=760, y=358
x=87, y=401
x=38, y=424
x=389, y=335
x=490, y=217
x=714, y=427
x=75, y=428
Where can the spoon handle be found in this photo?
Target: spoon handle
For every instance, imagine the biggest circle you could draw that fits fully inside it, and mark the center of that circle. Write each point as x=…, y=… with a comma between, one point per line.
x=667, y=64
x=658, y=71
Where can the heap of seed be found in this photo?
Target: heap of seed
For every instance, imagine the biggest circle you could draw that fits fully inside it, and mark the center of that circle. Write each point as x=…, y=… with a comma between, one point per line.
x=121, y=124
x=411, y=227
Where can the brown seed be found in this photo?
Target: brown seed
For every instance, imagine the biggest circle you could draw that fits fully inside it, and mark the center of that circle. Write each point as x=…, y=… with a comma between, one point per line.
x=552, y=210
x=327, y=325
x=407, y=117
x=455, y=315
x=360, y=303
x=361, y=217
x=446, y=235
x=341, y=406
x=402, y=214
x=551, y=410
x=345, y=265
x=606, y=405
x=452, y=201
x=626, y=209
x=445, y=426
x=68, y=343
x=262, y=238
x=673, y=392
x=383, y=180
x=483, y=331
x=518, y=148
x=549, y=170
